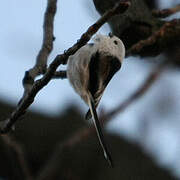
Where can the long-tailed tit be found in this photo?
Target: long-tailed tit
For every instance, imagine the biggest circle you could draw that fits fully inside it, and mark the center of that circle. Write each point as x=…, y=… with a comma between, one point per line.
x=89, y=71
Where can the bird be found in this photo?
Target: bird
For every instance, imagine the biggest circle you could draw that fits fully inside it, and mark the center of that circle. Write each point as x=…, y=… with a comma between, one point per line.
x=90, y=70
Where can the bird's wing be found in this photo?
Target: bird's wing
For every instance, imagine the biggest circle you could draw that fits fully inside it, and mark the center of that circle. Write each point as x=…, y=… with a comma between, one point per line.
x=100, y=76
x=93, y=80
x=78, y=69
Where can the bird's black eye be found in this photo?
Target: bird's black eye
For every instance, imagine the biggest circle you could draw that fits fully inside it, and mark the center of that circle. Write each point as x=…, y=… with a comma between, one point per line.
x=110, y=34
x=115, y=42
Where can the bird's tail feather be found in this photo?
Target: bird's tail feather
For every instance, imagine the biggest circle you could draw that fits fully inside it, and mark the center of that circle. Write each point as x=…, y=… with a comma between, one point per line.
x=98, y=129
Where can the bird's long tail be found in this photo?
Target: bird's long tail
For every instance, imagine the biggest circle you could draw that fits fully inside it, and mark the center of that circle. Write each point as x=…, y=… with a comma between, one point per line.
x=98, y=129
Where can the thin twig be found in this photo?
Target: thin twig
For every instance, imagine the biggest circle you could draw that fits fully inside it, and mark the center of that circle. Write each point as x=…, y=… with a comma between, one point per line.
x=18, y=149
x=60, y=75
x=153, y=76
x=47, y=46
x=166, y=12
x=55, y=161
x=60, y=59
x=168, y=32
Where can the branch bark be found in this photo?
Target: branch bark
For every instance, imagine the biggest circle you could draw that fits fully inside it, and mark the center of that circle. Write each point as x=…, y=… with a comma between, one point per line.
x=60, y=75
x=158, y=41
x=166, y=12
x=18, y=149
x=47, y=46
x=146, y=85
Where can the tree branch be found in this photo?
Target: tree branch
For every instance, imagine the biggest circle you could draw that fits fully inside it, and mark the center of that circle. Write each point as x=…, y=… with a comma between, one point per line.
x=27, y=100
x=153, y=76
x=47, y=46
x=60, y=75
x=159, y=40
x=166, y=12
x=56, y=160
x=18, y=149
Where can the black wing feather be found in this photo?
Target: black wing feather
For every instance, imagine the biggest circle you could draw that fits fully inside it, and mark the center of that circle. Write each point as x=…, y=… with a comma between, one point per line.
x=109, y=68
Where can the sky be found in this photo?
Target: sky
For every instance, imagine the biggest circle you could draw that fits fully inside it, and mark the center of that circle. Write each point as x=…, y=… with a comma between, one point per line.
x=21, y=38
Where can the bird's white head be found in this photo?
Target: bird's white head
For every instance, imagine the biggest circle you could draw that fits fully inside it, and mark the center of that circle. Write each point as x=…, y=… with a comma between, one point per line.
x=110, y=45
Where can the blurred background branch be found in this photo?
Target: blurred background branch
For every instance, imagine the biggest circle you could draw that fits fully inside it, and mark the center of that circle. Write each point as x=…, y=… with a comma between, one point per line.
x=153, y=76
x=13, y=145
x=167, y=35
x=166, y=12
